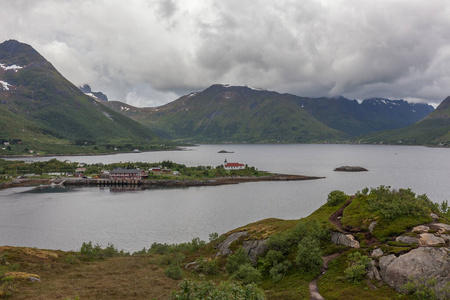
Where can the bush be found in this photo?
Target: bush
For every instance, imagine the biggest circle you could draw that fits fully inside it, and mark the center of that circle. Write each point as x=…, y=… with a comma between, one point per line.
x=391, y=204
x=90, y=252
x=271, y=259
x=172, y=259
x=286, y=241
x=207, y=267
x=358, y=267
x=208, y=290
x=213, y=237
x=173, y=272
x=236, y=260
x=278, y=271
x=309, y=256
x=247, y=274
x=71, y=259
x=336, y=197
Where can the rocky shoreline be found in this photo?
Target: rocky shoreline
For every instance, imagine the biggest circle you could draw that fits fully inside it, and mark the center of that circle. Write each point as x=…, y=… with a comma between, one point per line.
x=155, y=183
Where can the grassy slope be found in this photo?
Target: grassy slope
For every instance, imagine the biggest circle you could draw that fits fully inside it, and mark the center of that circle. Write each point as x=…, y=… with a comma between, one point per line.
x=141, y=276
x=54, y=109
x=236, y=114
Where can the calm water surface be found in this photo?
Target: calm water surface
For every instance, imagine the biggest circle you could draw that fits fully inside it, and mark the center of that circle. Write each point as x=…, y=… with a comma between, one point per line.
x=131, y=220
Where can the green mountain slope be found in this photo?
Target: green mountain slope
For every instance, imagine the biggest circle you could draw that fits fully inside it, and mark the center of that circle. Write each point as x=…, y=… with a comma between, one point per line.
x=432, y=130
x=232, y=114
x=38, y=105
x=224, y=113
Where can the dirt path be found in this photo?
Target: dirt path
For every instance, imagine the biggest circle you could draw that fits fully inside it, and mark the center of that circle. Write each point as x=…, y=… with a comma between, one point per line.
x=313, y=290
x=335, y=218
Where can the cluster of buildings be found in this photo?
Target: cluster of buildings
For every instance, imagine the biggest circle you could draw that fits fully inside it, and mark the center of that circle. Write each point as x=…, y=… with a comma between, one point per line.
x=137, y=174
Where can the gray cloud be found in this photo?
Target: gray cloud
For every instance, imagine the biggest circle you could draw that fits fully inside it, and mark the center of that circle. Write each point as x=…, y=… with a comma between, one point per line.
x=150, y=52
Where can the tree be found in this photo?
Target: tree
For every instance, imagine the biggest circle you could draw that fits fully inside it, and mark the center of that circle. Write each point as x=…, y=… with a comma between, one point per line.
x=309, y=255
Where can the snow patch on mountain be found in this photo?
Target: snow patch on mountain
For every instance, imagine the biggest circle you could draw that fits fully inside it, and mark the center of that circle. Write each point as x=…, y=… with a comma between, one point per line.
x=12, y=67
x=91, y=95
x=5, y=85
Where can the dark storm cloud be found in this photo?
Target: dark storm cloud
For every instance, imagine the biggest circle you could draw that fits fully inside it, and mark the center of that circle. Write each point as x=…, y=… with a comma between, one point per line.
x=149, y=52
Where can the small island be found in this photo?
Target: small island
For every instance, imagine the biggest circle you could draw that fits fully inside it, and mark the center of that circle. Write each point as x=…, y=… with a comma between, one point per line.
x=137, y=174
x=225, y=151
x=350, y=169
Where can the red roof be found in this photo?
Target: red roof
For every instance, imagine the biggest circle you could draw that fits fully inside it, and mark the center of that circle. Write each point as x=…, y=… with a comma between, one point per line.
x=234, y=165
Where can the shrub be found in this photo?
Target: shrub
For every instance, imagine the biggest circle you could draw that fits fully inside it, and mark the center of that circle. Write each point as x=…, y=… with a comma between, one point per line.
x=247, y=274
x=90, y=252
x=358, y=266
x=208, y=290
x=207, y=267
x=391, y=204
x=420, y=289
x=336, y=197
x=271, y=259
x=7, y=286
x=213, y=237
x=309, y=256
x=196, y=243
x=71, y=259
x=286, y=241
x=236, y=260
x=278, y=271
x=172, y=259
x=173, y=272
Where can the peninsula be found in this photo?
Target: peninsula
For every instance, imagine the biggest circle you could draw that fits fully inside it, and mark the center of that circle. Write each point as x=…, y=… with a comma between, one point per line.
x=144, y=175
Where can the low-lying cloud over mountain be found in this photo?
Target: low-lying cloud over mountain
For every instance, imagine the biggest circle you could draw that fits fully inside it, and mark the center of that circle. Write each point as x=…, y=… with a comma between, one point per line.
x=150, y=52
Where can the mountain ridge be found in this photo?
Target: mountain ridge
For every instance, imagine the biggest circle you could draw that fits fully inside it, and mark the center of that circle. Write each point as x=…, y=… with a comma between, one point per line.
x=235, y=112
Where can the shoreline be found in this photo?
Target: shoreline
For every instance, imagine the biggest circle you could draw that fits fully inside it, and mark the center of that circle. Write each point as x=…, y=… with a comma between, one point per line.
x=86, y=182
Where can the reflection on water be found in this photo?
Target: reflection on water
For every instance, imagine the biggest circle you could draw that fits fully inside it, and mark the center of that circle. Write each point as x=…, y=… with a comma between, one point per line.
x=51, y=188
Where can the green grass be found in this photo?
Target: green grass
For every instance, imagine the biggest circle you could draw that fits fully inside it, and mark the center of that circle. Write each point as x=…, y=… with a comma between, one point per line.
x=333, y=285
x=395, y=212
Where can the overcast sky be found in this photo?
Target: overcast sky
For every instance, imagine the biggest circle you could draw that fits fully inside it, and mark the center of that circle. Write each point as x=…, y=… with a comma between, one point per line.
x=148, y=53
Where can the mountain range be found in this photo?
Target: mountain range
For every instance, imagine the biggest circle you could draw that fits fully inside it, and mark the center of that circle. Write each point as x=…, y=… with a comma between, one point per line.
x=39, y=107
x=223, y=113
x=434, y=129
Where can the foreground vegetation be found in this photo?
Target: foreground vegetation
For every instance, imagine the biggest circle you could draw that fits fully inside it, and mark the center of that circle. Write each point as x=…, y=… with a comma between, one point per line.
x=295, y=254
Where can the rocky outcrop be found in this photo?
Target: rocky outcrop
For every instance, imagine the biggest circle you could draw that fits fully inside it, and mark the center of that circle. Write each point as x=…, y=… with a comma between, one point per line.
x=344, y=239
x=224, y=247
x=255, y=248
x=423, y=262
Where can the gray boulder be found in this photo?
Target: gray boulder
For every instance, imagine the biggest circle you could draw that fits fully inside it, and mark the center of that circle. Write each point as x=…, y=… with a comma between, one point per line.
x=424, y=263
x=373, y=272
x=372, y=226
x=407, y=239
x=421, y=228
x=428, y=239
x=255, y=248
x=376, y=253
x=442, y=227
x=384, y=262
x=344, y=239
x=224, y=247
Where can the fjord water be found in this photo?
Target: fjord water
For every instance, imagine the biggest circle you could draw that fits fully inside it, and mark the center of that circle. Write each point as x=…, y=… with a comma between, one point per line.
x=65, y=218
